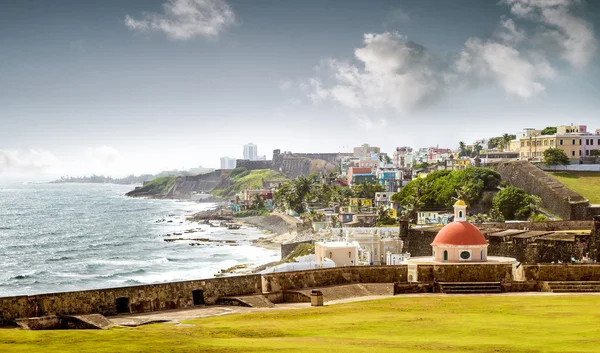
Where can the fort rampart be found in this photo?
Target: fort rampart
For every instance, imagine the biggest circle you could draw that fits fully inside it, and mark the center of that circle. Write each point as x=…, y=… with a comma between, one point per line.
x=146, y=298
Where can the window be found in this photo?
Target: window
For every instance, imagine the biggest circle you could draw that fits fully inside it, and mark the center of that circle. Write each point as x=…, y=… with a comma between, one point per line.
x=587, y=152
x=573, y=142
x=349, y=254
x=465, y=255
x=523, y=143
x=573, y=153
x=580, y=152
x=545, y=142
x=482, y=255
x=580, y=140
x=587, y=142
x=460, y=214
x=445, y=255
x=551, y=142
x=561, y=142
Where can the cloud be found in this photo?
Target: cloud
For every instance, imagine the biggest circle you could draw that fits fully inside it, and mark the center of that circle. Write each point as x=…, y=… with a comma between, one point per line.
x=390, y=71
x=104, y=155
x=572, y=34
x=26, y=162
x=186, y=19
x=284, y=85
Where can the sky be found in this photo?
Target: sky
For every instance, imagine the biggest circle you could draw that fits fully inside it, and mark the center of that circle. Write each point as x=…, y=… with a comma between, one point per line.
x=118, y=87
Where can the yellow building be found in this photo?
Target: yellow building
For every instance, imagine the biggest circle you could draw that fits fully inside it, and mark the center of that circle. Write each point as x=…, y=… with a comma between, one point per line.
x=574, y=140
x=360, y=202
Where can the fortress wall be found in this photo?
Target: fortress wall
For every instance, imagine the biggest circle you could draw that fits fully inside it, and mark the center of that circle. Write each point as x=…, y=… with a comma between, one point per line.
x=143, y=298
x=276, y=282
x=559, y=199
x=253, y=165
x=562, y=272
x=465, y=273
x=546, y=226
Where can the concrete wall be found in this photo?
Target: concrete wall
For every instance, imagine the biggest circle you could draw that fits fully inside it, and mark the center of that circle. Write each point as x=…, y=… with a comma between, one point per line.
x=286, y=249
x=549, y=225
x=465, y=273
x=333, y=276
x=555, y=196
x=562, y=272
x=141, y=298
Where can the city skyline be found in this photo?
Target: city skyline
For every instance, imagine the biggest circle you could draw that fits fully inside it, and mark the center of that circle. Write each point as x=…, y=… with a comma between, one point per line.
x=138, y=87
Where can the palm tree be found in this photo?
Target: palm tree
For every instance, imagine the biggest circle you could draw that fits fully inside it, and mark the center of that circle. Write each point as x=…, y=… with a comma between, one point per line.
x=506, y=138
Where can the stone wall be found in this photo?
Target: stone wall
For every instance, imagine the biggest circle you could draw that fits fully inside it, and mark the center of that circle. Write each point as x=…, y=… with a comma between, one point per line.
x=465, y=273
x=562, y=272
x=144, y=298
x=547, y=226
x=556, y=197
x=253, y=165
x=277, y=282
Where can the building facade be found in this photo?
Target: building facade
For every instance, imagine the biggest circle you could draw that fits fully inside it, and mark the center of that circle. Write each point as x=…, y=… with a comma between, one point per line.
x=251, y=152
x=228, y=163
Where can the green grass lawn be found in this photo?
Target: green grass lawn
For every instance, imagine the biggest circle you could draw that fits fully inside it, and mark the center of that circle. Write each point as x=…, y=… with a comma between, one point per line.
x=401, y=324
x=586, y=184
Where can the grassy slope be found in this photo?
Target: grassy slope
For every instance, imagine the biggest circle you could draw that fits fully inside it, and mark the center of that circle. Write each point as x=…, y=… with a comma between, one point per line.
x=402, y=324
x=586, y=184
x=251, y=181
x=156, y=186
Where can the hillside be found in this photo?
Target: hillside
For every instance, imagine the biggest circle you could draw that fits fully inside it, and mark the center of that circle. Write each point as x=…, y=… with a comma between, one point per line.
x=246, y=180
x=155, y=187
x=218, y=183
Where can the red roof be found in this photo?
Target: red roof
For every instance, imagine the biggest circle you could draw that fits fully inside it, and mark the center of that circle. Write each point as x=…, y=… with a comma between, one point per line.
x=459, y=233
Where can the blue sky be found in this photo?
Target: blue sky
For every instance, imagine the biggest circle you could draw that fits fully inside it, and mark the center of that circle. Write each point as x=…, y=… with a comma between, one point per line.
x=118, y=87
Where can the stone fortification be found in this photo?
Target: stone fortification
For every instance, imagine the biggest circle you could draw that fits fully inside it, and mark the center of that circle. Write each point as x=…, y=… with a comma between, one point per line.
x=279, y=286
x=277, y=282
x=556, y=197
x=253, y=165
x=136, y=299
x=293, y=165
x=528, y=242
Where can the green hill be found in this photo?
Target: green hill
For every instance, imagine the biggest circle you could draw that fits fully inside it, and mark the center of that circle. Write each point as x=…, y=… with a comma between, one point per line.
x=158, y=186
x=586, y=184
x=247, y=180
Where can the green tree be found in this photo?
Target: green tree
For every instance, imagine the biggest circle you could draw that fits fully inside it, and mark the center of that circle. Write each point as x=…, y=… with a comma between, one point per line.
x=258, y=203
x=514, y=203
x=550, y=130
x=595, y=154
x=555, y=156
x=383, y=216
x=368, y=189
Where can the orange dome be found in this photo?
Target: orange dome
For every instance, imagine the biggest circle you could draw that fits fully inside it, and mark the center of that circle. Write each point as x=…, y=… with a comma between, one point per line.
x=459, y=233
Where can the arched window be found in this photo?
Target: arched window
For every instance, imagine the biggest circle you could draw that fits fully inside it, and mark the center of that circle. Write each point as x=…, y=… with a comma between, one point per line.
x=481, y=254
x=445, y=255
x=460, y=214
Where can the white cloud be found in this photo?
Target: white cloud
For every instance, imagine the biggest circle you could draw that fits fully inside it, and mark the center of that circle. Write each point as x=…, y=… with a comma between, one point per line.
x=185, y=19
x=27, y=162
x=284, y=85
x=390, y=71
x=574, y=35
x=104, y=155
x=516, y=74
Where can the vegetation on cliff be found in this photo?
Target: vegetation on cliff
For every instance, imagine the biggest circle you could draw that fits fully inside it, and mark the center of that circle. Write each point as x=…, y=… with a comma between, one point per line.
x=440, y=189
x=246, y=180
x=158, y=186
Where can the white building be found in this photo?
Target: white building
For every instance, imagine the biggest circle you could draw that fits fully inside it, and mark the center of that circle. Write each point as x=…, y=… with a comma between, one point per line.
x=251, y=152
x=343, y=253
x=375, y=243
x=228, y=163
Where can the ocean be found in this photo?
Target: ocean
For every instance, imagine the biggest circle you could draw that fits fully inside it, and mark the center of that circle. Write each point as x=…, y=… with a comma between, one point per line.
x=65, y=237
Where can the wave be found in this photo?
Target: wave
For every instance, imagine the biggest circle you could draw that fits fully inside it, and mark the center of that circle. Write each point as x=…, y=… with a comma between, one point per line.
x=62, y=258
x=121, y=274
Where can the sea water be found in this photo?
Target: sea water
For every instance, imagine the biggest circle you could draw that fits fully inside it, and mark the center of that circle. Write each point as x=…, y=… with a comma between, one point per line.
x=64, y=237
